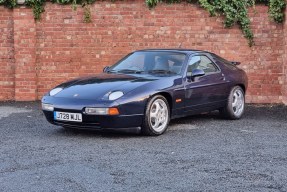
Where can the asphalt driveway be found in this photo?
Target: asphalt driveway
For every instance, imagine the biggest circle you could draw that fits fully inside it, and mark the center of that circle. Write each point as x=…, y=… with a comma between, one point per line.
x=198, y=153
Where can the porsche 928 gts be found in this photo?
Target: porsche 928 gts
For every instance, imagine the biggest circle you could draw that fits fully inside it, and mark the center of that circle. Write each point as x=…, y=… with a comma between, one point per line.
x=147, y=88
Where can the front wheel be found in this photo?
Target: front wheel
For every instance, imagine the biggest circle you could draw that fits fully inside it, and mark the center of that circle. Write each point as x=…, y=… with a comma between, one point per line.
x=234, y=108
x=157, y=116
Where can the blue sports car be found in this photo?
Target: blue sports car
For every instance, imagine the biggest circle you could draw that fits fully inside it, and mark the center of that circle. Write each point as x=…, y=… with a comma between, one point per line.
x=146, y=89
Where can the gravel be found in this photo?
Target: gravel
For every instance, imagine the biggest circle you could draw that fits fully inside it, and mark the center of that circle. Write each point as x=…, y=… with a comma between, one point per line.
x=197, y=153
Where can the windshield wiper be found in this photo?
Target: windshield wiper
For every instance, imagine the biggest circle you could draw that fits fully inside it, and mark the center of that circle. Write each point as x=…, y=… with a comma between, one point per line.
x=112, y=71
x=129, y=71
x=161, y=71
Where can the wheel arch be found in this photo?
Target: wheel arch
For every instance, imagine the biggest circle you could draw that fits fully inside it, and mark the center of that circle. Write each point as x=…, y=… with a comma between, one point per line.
x=242, y=86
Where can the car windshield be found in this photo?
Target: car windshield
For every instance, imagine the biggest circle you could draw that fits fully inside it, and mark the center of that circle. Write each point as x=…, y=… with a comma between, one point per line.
x=153, y=62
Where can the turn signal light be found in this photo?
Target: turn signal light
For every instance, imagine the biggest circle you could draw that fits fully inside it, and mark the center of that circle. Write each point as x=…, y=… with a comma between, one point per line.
x=113, y=111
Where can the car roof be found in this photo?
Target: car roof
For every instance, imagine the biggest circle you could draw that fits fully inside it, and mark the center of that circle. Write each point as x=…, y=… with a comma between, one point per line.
x=187, y=51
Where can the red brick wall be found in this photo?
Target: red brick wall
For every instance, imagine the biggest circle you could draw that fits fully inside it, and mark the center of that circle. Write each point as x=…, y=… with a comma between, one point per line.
x=284, y=87
x=61, y=46
x=6, y=54
x=265, y=60
x=25, y=55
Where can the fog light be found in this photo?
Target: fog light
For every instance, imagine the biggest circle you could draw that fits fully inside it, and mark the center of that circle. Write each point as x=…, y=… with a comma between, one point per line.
x=47, y=107
x=101, y=111
x=96, y=111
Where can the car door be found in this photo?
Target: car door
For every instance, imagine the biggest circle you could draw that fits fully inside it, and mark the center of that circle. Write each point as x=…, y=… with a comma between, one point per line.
x=205, y=92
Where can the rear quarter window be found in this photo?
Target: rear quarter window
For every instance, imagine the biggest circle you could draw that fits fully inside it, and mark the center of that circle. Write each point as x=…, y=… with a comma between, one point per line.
x=219, y=60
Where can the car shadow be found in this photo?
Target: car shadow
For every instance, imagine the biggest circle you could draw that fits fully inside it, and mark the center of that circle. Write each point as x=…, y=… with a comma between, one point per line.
x=95, y=133
x=214, y=115
x=130, y=134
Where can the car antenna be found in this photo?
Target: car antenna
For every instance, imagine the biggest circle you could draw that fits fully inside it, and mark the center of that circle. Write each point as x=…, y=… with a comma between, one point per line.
x=179, y=46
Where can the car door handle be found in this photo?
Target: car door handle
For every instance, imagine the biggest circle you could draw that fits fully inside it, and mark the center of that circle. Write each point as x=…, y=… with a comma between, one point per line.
x=222, y=77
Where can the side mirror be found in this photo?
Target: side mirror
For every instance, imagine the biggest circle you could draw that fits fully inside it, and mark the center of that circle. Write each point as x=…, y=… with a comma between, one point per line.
x=195, y=73
x=106, y=69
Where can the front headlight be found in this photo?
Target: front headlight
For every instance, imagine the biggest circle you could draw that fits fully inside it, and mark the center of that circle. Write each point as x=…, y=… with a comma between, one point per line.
x=115, y=95
x=55, y=91
x=47, y=107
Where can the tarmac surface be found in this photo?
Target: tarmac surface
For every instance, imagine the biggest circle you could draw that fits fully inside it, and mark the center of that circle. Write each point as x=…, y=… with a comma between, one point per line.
x=197, y=153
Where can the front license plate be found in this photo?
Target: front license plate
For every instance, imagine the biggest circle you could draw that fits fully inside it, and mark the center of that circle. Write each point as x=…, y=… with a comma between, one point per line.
x=63, y=116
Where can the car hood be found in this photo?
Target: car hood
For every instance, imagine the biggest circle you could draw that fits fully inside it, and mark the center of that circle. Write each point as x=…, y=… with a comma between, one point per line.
x=99, y=86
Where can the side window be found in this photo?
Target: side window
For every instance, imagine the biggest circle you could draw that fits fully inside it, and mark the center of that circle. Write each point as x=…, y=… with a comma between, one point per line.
x=193, y=63
x=203, y=63
x=206, y=65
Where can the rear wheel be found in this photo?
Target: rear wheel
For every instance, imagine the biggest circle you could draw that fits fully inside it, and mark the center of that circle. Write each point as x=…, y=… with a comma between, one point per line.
x=157, y=116
x=234, y=108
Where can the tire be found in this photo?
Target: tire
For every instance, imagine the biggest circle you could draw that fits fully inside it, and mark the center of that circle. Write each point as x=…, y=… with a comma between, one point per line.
x=235, y=105
x=157, y=116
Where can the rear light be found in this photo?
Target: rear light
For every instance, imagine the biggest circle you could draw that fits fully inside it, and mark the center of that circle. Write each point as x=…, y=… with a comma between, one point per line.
x=101, y=111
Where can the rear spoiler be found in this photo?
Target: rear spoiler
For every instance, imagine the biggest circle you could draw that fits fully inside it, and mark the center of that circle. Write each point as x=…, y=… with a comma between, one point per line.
x=235, y=63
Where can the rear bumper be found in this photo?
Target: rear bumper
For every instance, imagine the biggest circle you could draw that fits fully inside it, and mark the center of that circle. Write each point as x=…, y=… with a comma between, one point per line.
x=99, y=121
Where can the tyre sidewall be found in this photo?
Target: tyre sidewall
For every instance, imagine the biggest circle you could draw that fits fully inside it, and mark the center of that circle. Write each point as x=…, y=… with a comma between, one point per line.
x=229, y=108
x=147, y=128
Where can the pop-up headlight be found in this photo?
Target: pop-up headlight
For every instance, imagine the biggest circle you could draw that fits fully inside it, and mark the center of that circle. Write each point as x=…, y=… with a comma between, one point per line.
x=55, y=91
x=115, y=95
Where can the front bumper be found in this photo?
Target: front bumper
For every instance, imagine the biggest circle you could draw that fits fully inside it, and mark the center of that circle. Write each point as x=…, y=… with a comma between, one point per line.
x=97, y=121
x=131, y=114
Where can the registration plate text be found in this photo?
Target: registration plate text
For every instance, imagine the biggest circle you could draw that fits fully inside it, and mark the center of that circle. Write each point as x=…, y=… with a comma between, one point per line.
x=63, y=116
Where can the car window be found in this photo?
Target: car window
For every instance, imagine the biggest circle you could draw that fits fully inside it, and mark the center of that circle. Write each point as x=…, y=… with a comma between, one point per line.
x=136, y=62
x=193, y=63
x=156, y=61
x=224, y=62
x=201, y=62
